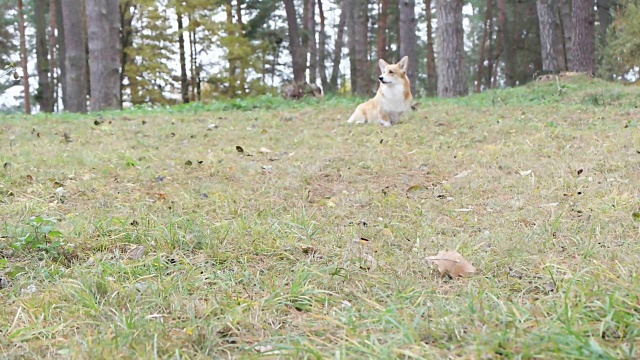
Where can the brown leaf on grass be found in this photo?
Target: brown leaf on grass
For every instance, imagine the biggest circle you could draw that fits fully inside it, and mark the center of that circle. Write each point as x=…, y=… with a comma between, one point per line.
x=239, y=149
x=264, y=150
x=452, y=263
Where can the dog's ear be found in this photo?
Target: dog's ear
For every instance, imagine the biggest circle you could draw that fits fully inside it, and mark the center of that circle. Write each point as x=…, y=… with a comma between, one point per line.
x=404, y=63
x=383, y=65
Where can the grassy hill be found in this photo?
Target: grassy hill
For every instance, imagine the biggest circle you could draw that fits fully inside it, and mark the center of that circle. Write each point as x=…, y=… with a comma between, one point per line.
x=267, y=228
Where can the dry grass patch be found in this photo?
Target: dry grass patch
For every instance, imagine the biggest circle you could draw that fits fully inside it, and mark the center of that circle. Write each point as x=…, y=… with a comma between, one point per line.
x=172, y=244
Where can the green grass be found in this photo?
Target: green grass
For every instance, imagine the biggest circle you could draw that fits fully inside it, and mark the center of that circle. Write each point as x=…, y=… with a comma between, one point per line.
x=254, y=256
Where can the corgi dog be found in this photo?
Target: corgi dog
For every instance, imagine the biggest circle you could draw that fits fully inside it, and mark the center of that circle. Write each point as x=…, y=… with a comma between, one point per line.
x=392, y=99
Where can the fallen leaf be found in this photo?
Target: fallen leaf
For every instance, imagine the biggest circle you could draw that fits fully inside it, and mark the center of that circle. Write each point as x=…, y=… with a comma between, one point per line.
x=188, y=162
x=266, y=349
x=387, y=232
x=239, y=149
x=29, y=178
x=525, y=173
x=463, y=174
x=212, y=126
x=453, y=263
x=264, y=131
x=264, y=150
x=636, y=216
x=137, y=253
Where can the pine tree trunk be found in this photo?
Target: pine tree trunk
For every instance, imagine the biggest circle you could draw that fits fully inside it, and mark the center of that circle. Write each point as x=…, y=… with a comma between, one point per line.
x=382, y=29
x=408, y=46
x=242, y=77
x=44, y=95
x=483, y=45
x=490, y=56
x=337, y=49
x=322, y=49
x=583, y=18
x=311, y=38
x=62, y=52
x=510, y=60
x=195, y=68
x=547, y=14
x=294, y=43
x=184, y=80
x=126, y=18
x=75, y=57
x=432, y=79
x=23, y=51
x=361, y=46
x=52, y=53
x=567, y=31
x=452, y=74
x=103, y=28
x=232, y=63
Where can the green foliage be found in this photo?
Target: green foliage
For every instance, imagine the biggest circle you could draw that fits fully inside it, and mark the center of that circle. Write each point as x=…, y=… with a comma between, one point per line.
x=147, y=71
x=42, y=237
x=622, y=53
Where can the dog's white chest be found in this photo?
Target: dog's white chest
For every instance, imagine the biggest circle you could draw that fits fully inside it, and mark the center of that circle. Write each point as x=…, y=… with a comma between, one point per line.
x=394, y=99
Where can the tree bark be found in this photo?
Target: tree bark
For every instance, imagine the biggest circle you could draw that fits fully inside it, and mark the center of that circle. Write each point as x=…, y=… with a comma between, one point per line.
x=452, y=74
x=126, y=19
x=583, y=18
x=337, y=49
x=52, y=53
x=45, y=94
x=23, y=50
x=103, y=28
x=510, y=60
x=432, y=79
x=361, y=47
x=547, y=14
x=312, y=46
x=409, y=39
x=62, y=52
x=294, y=43
x=483, y=45
x=567, y=31
x=184, y=79
x=322, y=49
x=382, y=29
x=242, y=76
x=75, y=56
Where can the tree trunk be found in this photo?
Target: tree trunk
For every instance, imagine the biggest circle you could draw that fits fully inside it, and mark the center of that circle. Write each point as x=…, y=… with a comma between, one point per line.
x=452, y=74
x=409, y=39
x=351, y=44
x=311, y=38
x=195, y=68
x=242, y=76
x=103, y=28
x=361, y=47
x=583, y=18
x=294, y=43
x=23, y=50
x=62, y=52
x=483, y=45
x=510, y=60
x=382, y=29
x=52, y=53
x=337, y=49
x=547, y=14
x=604, y=20
x=45, y=94
x=567, y=31
x=322, y=49
x=232, y=63
x=184, y=80
x=75, y=57
x=126, y=18
x=490, y=56
x=432, y=80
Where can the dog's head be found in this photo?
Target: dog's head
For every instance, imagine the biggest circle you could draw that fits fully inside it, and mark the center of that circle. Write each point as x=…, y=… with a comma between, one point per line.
x=393, y=73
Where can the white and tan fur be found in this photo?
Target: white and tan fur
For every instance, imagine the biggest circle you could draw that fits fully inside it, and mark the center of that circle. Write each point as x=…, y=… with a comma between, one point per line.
x=392, y=99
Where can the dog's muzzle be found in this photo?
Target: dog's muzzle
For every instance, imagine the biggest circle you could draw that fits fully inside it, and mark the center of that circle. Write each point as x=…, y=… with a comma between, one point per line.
x=381, y=78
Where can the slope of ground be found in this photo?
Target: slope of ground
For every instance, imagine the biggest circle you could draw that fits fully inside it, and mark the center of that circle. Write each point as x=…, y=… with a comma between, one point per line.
x=262, y=228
